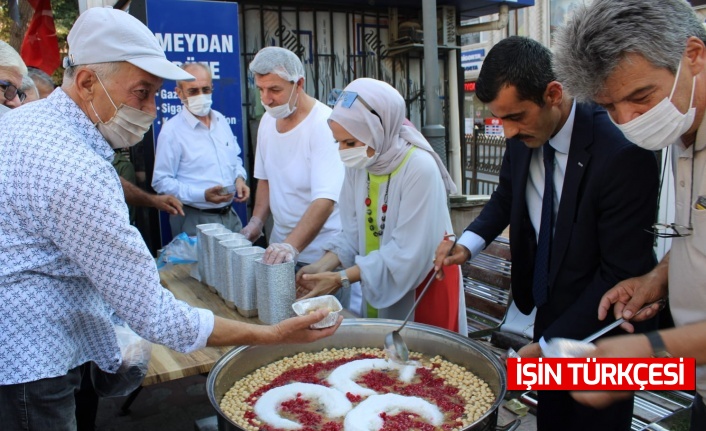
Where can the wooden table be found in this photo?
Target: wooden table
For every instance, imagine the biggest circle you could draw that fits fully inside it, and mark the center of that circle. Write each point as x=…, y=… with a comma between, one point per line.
x=167, y=364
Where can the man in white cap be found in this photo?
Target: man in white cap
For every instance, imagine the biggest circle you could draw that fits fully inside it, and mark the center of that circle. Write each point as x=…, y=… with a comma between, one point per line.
x=12, y=70
x=197, y=157
x=38, y=85
x=68, y=255
x=297, y=164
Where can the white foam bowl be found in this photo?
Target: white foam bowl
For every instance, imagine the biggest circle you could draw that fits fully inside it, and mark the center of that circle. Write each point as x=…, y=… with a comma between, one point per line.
x=306, y=306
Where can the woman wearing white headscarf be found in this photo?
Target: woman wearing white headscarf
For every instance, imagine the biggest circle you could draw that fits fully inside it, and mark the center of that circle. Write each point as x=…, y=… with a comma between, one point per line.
x=394, y=212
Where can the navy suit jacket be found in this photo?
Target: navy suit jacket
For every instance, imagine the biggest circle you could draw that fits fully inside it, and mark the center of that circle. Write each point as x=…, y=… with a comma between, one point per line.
x=608, y=201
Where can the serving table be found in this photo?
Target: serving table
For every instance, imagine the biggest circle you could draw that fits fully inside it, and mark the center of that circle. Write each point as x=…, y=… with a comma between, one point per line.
x=167, y=364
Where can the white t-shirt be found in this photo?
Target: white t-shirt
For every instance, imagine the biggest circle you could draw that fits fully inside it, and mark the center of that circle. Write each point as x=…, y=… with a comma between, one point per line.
x=301, y=165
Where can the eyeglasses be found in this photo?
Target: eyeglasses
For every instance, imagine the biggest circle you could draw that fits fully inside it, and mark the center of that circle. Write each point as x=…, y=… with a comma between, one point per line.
x=10, y=91
x=348, y=97
x=196, y=91
x=672, y=230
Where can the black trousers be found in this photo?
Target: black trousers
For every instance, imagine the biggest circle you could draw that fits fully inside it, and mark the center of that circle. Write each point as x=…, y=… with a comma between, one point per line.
x=86, y=402
x=698, y=414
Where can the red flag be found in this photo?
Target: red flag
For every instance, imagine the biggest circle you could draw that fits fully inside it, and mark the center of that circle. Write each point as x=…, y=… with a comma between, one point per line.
x=40, y=47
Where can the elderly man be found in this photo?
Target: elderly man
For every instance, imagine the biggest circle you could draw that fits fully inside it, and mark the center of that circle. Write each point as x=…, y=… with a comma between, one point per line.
x=27, y=91
x=645, y=61
x=297, y=164
x=197, y=155
x=12, y=70
x=68, y=256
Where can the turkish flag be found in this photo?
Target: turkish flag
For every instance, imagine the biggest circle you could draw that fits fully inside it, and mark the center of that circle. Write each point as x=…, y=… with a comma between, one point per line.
x=40, y=47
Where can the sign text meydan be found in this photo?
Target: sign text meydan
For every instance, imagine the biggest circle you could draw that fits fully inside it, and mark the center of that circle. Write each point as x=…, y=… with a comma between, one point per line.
x=198, y=43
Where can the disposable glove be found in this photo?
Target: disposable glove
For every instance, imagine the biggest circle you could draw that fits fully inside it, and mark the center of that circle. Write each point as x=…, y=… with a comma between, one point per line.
x=280, y=252
x=253, y=230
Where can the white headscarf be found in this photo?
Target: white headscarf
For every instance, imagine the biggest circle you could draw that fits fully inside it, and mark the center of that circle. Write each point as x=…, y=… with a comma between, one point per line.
x=392, y=138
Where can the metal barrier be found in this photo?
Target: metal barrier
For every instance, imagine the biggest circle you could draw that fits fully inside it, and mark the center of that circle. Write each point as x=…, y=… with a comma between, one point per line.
x=486, y=284
x=484, y=157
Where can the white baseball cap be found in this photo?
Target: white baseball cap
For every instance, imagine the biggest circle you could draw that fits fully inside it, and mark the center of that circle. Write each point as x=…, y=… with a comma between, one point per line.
x=102, y=35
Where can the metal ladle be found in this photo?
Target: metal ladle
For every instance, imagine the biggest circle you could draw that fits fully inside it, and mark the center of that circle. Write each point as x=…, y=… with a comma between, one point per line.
x=394, y=344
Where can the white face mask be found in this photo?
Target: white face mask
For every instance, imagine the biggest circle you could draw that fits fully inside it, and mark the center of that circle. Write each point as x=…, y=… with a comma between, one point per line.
x=199, y=105
x=356, y=157
x=127, y=127
x=283, y=110
x=662, y=125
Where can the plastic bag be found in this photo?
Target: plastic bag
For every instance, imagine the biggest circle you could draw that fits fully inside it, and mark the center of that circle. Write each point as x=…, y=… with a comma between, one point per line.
x=182, y=249
x=136, y=353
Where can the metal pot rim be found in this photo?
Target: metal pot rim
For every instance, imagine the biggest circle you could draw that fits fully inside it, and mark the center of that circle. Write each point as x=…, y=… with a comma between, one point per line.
x=387, y=324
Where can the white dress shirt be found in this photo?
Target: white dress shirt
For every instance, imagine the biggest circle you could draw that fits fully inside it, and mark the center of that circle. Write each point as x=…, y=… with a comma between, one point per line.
x=561, y=142
x=191, y=158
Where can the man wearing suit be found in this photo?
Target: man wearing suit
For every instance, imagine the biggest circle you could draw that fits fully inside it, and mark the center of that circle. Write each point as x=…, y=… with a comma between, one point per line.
x=601, y=197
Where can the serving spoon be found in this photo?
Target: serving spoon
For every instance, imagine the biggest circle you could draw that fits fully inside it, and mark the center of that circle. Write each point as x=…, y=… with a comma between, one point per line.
x=394, y=344
x=511, y=353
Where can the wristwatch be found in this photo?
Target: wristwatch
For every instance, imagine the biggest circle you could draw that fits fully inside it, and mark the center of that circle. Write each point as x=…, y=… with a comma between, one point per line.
x=345, y=282
x=659, y=350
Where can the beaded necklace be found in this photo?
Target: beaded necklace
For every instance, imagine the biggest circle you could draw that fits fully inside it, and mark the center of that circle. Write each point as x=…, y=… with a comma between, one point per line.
x=369, y=211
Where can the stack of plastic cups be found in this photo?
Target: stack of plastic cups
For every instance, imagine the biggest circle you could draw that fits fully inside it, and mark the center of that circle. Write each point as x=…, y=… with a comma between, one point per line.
x=206, y=258
x=244, y=289
x=219, y=260
x=276, y=291
x=228, y=280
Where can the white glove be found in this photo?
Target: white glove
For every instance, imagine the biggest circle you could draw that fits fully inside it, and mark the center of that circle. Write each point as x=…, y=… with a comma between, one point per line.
x=253, y=230
x=280, y=252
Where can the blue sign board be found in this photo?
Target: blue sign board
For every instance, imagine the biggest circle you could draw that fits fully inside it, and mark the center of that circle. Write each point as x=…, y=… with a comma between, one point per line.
x=205, y=32
x=472, y=59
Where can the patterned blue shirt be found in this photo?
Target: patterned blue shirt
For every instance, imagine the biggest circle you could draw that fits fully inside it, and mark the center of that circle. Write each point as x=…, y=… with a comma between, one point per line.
x=68, y=254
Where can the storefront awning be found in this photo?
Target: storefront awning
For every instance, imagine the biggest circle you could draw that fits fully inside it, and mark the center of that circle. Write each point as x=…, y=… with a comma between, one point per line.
x=476, y=8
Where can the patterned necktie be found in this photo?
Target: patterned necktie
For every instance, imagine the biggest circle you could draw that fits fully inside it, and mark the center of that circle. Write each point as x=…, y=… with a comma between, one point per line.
x=540, y=287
